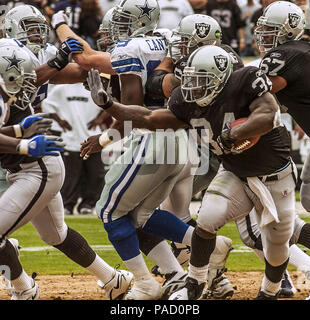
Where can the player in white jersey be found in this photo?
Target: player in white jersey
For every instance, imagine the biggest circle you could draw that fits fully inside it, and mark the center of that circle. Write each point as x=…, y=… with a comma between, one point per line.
x=133, y=67
x=35, y=182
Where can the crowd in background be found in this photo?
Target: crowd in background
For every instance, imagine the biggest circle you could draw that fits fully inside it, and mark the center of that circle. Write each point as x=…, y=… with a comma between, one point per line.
x=237, y=19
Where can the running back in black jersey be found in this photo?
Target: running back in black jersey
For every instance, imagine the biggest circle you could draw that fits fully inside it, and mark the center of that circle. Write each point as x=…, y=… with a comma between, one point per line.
x=272, y=151
x=9, y=161
x=291, y=61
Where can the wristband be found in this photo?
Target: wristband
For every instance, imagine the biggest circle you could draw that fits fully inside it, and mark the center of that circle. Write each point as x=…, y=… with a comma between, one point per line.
x=104, y=139
x=22, y=147
x=18, y=131
x=107, y=105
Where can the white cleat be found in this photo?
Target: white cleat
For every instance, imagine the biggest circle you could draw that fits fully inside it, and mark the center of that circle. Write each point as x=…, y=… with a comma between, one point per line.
x=191, y=290
x=7, y=283
x=118, y=285
x=30, y=294
x=219, y=286
x=174, y=281
x=145, y=289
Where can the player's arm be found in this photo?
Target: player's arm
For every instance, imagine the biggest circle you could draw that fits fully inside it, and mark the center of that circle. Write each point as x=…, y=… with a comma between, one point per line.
x=89, y=58
x=278, y=83
x=265, y=116
x=162, y=80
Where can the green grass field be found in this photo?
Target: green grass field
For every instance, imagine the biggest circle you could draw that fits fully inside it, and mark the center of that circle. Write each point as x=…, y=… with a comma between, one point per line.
x=37, y=257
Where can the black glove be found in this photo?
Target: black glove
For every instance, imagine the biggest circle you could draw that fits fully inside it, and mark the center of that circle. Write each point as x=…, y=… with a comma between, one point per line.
x=179, y=67
x=225, y=141
x=70, y=45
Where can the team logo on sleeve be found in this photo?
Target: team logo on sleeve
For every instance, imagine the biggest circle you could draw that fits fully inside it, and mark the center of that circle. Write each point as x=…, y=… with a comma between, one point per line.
x=293, y=20
x=202, y=29
x=221, y=62
x=13, y=62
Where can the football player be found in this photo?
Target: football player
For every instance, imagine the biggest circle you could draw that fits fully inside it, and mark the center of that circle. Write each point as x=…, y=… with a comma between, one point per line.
x=204, y=100
x=41, y=203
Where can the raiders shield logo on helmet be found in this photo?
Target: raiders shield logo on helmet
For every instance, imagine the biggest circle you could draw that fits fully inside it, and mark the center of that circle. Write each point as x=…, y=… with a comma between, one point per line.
x=202, y=29
x=221, y=62
x=293, y=19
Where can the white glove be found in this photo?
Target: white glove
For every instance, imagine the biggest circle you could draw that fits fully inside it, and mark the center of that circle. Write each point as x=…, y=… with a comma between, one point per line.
x=58, y=19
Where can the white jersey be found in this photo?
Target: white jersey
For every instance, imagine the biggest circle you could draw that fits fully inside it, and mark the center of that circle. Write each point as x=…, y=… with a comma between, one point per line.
x=72, y=102
x=138, y=56
x=3, y=112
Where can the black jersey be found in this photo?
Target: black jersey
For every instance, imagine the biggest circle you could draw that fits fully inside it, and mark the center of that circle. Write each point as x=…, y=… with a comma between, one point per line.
x=228, y=15
x=236, y=60
x=9, y=161
x=291, y=61
x=271, y=152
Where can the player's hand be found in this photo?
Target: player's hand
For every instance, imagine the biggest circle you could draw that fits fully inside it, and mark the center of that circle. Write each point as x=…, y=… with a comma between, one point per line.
x=66, y=49
x=58, y=19
x=98, y=93
x=35, y=124
x=179, y=67
x=41, y=145
x=225, y=141
x=91, y=145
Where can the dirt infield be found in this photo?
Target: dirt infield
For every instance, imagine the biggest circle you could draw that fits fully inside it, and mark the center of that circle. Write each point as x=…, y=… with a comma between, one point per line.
x=84, y=287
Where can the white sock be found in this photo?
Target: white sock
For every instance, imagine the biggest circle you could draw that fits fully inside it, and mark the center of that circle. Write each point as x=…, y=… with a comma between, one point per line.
x=270, y=287
x=299, y=259
x=23, y=282
x=164, y=258
x=101, y=270
x=198, y=273
x=187, y=240
x=138, y=267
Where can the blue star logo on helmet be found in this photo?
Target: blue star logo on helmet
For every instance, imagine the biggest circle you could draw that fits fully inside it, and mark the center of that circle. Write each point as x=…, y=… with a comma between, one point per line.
x=145, y=10
x=13, y=62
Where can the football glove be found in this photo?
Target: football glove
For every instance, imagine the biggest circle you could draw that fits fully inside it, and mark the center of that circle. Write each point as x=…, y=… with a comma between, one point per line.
x=59, y=18
x=225, y=141
x=41, y=145
x=99, y=95
x=179, y=67
x=69, y=46
x=31, y=125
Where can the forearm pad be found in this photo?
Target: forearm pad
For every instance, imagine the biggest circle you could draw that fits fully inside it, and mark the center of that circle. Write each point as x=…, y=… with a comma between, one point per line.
x=154, y=83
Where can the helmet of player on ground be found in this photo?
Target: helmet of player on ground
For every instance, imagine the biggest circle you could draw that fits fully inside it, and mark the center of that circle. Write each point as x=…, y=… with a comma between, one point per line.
x=133, y=18
x=27, y=24
x=281, y=21
x=192, y=32
x=105, y=40
x=207, y=71
x=17, y=75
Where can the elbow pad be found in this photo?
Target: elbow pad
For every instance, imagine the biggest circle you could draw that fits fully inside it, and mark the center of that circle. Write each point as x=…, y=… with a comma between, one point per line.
x=153, y=87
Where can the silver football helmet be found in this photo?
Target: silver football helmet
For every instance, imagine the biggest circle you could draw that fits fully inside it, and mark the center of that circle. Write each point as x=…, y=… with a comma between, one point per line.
x=27, y=24
x=105, y=39
x=133, y=18
x=17, y=75
x=281, y=21
x=192, y=32
x=207, y=71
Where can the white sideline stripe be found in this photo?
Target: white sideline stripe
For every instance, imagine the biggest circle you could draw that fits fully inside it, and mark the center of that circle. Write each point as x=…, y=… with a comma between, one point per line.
x=107, y=247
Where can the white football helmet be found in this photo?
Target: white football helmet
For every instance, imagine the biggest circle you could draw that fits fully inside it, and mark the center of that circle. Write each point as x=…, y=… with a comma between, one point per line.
x=27, y=24
x=17, y=75
x=281, y=21
x=207, y=71
x=192, y=32
x=105, y=39
x=133, y=18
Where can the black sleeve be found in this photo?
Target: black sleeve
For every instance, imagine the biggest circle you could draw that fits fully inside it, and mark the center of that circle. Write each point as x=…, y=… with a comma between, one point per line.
x=279, y=63
x=255, y=83
x=181, y=109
